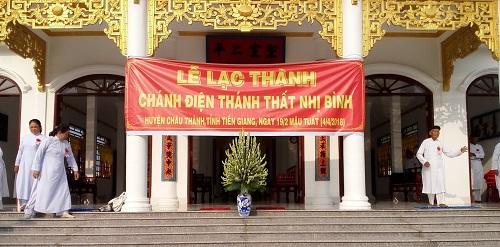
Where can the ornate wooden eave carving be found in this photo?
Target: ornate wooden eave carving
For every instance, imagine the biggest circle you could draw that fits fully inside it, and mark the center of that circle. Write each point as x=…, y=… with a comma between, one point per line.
x=27, y=44
x=459, y=45
x=57, y=14
x=431, y=15
x=245, y=16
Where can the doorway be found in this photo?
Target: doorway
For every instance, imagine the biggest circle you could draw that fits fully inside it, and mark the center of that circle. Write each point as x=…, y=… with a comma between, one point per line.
x=208, y=152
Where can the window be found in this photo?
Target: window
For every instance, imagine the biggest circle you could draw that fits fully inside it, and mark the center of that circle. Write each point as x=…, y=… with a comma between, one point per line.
x=384, y=158
x=104, y=157
x=8, y=87
x=409, y=139
x=77, y=142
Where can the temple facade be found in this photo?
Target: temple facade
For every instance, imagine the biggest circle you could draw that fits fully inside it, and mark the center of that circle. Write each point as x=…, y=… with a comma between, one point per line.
x=425, y=63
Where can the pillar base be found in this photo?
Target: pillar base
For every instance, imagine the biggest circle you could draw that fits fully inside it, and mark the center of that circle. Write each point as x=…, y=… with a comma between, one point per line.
x=167, y=204
x=137, y=205
x=355, y=203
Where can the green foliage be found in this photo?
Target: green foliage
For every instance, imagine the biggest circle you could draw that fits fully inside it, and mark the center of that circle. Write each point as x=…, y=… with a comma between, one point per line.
x=244, y=168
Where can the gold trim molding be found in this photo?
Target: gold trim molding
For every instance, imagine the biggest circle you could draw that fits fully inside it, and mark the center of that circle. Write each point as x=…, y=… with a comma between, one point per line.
x=245, y=16
x=413, y=34
x=50, y=14
x=27, y=44
x=431, y=15
x=74, y=33
x=46, y=14
x=287, y=34
x=459, y=45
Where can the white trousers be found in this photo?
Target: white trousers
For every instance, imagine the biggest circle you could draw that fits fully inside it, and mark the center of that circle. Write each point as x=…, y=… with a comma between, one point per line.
x=439, y=196
x=22, y=202
x=476, y=194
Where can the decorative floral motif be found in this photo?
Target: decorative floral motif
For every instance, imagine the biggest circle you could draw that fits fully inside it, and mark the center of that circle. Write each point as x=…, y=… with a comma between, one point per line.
x=66, y=152
x=38, y=141
x=439, y=150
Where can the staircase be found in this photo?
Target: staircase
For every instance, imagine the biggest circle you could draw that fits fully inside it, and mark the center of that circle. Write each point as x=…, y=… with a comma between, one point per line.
x=425, y=227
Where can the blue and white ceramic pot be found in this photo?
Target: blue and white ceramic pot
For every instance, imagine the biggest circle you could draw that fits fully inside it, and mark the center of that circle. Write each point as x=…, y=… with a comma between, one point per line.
x=244, y=203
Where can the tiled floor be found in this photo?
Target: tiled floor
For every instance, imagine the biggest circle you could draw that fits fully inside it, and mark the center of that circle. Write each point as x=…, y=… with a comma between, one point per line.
x=379, y=205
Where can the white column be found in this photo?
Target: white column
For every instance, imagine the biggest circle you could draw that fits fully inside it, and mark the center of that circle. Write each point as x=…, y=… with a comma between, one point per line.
x=137, y=175
x=182, y=160
x=335, y=169
x=354, y=151
x=137, y=146
x=90, y=136
x=163, y=193
x=317, y=192
x=396, y=143
x=354, y=174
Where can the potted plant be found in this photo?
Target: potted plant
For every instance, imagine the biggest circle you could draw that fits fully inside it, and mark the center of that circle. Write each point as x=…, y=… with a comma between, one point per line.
x=244, y=170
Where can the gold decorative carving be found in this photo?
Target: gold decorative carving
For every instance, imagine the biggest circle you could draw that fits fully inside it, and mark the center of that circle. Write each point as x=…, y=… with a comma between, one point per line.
x=245, y=16
x=45, y=14
x=117, y=23
x=459, y=45
x=431, y=15
x=27, y=44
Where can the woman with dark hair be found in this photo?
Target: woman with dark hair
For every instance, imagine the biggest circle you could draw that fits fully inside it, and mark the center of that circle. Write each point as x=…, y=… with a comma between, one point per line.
x=24, y=159
x=51, y=192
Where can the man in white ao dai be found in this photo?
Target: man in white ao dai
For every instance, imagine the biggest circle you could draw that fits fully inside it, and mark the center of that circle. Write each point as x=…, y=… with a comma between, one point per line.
x=430, y=154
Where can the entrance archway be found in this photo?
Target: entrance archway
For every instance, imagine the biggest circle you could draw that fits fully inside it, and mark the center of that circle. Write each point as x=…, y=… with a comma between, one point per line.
x=10, y=127
x=484, y=117
x=399, y=112
x=93, y=106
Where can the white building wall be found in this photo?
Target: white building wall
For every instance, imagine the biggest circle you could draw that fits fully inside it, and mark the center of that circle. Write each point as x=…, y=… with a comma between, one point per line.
x=69, y=53
x=424, y=54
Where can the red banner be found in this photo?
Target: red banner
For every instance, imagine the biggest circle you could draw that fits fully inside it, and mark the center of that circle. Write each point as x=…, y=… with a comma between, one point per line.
x=317, y=98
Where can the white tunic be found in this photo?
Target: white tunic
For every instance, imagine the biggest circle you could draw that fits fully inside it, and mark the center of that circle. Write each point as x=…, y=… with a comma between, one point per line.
x=496, y=163
x=476, y=166
x=25, y=155
x=51, y=192
x=433, y=176
x=4, y=186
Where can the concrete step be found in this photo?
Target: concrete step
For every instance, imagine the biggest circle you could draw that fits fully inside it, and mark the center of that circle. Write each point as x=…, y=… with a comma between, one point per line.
x=475, y=227
x=263, y=224
x=289, y=213
x=360, y=240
